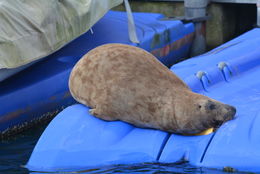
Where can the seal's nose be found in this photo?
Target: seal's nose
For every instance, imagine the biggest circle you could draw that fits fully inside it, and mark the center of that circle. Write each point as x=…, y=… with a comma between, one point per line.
x=231, y=112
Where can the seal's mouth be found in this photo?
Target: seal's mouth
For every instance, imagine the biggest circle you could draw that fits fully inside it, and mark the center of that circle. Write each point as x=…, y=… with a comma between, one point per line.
x=218, y=123
x=232, y=111
x=229, y=116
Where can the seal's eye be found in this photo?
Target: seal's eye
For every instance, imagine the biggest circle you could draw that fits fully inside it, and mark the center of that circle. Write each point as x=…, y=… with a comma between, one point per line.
x=212, y=106
x=199, y=106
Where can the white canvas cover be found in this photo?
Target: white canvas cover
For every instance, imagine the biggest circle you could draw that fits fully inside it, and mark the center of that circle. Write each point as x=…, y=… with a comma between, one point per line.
x=32, y=29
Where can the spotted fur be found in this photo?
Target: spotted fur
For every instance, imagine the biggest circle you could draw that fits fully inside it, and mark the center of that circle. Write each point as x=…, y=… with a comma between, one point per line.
x=122, y=82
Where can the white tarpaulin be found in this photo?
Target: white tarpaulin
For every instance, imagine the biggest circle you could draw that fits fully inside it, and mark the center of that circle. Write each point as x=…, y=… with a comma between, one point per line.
x=32, y=29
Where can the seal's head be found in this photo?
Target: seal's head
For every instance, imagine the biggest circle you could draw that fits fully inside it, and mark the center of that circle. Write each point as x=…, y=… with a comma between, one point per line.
x=203, y=113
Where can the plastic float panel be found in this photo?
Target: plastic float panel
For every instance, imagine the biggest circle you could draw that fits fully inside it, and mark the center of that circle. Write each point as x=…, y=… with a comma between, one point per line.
x=228, y=74
x=237, y=143
x=75, y=140
x=42, y=88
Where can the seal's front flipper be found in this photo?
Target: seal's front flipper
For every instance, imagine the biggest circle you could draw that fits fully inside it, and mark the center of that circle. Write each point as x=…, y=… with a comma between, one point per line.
x=96, y=113
x=93, y=112
x=205, y=132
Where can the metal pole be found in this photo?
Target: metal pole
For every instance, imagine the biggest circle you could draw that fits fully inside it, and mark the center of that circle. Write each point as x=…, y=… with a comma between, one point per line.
x=258, y=13
x=197, y=9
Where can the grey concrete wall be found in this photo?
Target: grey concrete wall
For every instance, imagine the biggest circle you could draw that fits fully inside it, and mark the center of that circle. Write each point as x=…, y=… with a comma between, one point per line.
x=221, y=25
x=166, y=8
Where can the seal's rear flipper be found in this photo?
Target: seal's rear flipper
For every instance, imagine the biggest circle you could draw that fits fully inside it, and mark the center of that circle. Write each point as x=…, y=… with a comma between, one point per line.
x=96, y=113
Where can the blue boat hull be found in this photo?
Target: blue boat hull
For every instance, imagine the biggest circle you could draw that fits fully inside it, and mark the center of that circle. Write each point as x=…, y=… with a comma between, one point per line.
x=42, y=90
x=75, y=140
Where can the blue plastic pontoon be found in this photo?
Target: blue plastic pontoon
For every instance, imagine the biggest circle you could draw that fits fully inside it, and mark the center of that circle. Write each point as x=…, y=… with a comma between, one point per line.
x=42, y=88
x=75, y=140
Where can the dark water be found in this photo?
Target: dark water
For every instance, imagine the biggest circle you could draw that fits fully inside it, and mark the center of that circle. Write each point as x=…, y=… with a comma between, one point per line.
x=16, y=151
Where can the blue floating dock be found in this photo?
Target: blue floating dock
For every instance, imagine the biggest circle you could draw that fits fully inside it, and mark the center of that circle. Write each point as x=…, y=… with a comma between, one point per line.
x=230, y=73
x=84, y=140
x=43, y=88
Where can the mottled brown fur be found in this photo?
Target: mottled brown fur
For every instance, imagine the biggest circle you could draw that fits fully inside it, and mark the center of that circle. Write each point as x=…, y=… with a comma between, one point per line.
x=122, y=82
